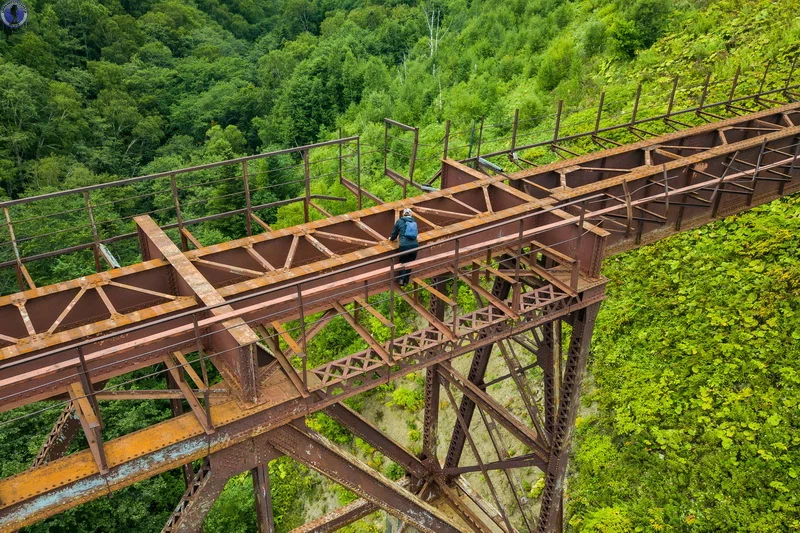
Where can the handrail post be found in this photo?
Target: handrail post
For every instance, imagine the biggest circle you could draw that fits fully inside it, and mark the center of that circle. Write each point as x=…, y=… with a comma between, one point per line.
x=178, y=214
x=599, y=113
x=515, y=299
x=672, y=97
x=636, y=104
x=340, y=155
x=789, y=77
x=202, y=358
x=703, y=95
x=358, y=170
x=734, y=84
x=413, y=161
x=558, y=124
x=763, y=81
x=95, y=237
x=576, y=266
x=480, y=140
x=446, y=138
x=514, y=131
x=303, y=336
x=307, y=180
x=22, y=273
x=247, y=200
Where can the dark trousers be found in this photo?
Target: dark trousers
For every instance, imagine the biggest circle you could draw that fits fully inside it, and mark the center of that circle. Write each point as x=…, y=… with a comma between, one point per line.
x=404, y=274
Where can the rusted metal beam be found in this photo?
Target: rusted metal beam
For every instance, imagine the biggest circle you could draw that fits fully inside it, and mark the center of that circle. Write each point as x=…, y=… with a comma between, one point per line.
x=91, y=425
x=476, y=453
x=363, y=333
x=208, y=482
x=523, y=387
x=148, y=395
x=449, y=495
x=318, y=454
x=263, y=499
x=235, y=342
x=174, y=442
x=339, y=518
x=511, y=423
x=176, y=371
x=520, y=461
x=477, y=371
x=432, y=320
x=358, y=425
x=275, y=349
x=62, y=433
x=550, y=510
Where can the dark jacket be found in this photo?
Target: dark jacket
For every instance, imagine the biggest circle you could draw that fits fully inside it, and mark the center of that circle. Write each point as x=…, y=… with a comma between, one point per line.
x=400, y=229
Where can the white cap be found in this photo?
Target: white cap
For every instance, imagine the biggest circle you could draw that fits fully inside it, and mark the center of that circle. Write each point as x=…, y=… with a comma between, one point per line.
x=407, y=212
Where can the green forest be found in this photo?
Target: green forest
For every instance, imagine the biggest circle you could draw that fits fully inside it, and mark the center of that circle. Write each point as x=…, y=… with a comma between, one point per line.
x=692, y=410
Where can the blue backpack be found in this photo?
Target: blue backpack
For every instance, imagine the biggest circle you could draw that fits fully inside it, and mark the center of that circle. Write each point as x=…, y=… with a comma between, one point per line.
x=411, y=231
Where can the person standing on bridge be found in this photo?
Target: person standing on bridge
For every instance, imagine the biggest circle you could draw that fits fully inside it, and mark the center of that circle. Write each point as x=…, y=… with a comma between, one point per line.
x=406, y=228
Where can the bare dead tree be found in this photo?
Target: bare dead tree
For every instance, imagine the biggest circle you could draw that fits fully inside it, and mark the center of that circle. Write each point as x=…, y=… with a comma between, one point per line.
x=436, y=32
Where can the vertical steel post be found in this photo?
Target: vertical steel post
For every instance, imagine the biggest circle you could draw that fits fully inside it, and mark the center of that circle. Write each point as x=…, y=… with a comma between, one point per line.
x=703, y=95
x=87, y=385
x=599, y=113
x=455, y=287
x=202, y=357
x=789, y=77
x=576, y=267
x=431, y=415
x=178, y=215
x=95, y=237
x=636, y=104
x=793, y=165
x=391, y=306
x=307, y=180
x=514, y=130
x=763, y=81
x=303, y=336
x=558, y=120
x=247, y=200
x=413, y=161
x=446, y=138
x=733, y=87
x=550, y=508
x=672, y=96
x=176, y=406
x=516, y=297
x=15, y=249
x=340, y=154
x=480, y=139
x=263, y=499
x=756, y=170
x=358, y=170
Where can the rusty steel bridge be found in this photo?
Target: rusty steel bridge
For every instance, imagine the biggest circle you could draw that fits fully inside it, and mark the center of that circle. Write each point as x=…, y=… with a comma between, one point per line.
x=527, y=245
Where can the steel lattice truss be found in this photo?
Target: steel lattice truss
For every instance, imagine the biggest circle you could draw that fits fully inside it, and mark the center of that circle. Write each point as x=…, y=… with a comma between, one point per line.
x=527, y=245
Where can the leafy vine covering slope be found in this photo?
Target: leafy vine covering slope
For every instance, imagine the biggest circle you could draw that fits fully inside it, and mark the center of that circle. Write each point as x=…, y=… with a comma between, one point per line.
x=696, y=367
